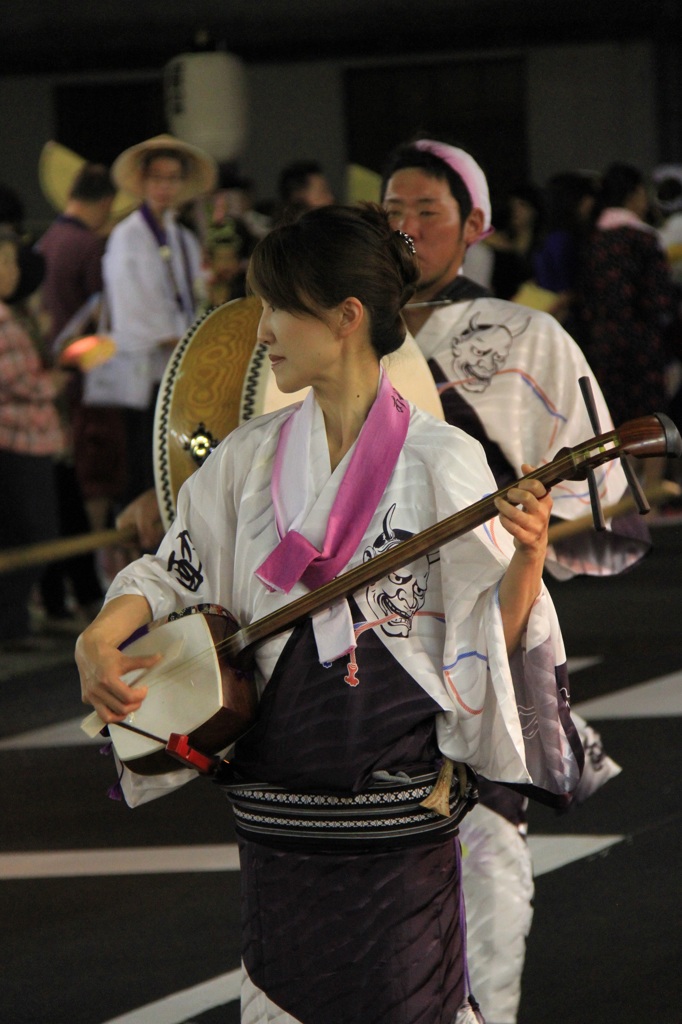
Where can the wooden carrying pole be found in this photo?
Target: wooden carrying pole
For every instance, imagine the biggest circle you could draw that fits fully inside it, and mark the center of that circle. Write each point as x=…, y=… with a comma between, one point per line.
x=12, y=559
x=656, y=494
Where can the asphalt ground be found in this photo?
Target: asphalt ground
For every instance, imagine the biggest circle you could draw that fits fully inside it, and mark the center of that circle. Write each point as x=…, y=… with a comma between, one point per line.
x=111, y=914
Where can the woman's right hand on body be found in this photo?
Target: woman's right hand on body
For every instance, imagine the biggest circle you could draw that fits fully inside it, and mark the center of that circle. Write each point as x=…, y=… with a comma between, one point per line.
x=101, y=664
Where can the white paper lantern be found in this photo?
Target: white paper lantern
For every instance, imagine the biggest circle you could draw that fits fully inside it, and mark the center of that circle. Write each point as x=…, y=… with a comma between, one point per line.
x=205, y=101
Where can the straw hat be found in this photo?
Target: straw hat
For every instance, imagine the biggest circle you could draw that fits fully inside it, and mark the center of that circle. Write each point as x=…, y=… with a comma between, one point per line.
x=58, y=168
x=202, y=169
x=362, y=185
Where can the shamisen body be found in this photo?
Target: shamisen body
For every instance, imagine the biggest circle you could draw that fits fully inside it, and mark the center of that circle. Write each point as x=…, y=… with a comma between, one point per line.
x=458, y=654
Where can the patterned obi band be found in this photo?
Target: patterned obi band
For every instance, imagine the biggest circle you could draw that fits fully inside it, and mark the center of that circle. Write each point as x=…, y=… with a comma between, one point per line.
x=388, y=815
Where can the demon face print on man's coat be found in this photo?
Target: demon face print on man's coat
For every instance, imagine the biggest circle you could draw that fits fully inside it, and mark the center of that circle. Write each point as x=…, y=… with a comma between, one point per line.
x=395, y=599
x=481, y=351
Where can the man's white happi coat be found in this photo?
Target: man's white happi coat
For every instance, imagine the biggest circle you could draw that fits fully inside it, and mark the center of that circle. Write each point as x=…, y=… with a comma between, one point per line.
x=509, y=375
x=146, y=305
x=515, y=371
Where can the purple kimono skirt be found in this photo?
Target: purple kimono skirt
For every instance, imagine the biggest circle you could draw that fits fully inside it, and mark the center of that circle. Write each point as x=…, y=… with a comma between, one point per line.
x=350, y=890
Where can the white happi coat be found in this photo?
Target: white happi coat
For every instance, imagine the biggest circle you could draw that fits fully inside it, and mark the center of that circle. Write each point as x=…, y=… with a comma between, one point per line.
x=519, y=370
x=453, y=646
x=142, y=308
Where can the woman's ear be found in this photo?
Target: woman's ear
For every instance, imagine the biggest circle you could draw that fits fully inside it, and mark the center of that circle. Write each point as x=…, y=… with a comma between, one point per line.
x=350, y=314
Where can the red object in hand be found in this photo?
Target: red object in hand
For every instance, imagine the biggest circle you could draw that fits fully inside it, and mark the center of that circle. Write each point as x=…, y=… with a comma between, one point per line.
x=179, y=748
x=87, y=353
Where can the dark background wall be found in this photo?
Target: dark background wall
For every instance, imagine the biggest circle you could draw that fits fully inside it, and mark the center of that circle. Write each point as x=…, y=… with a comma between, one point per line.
x=529, y=87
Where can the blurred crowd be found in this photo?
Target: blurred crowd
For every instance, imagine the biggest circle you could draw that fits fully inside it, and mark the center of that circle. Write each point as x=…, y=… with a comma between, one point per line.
x=76, y=410
x=617, y=292
x=137, y=252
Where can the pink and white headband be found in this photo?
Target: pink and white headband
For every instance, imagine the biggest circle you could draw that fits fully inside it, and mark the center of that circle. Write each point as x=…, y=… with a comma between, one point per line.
x=470, y=173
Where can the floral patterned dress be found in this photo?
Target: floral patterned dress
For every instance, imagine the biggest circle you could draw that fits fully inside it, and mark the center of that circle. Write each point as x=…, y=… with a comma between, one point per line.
x=628, y=310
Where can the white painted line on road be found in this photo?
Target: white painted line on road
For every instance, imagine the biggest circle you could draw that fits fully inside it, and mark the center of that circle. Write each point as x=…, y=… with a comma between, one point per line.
x=70, y=734
x=548, y=853
x=576, y=664
x=551, y=852
x=63, y=734
x=659, y=698
x=145, y=860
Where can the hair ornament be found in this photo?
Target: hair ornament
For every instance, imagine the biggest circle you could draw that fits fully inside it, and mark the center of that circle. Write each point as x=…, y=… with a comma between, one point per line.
x=408, y=240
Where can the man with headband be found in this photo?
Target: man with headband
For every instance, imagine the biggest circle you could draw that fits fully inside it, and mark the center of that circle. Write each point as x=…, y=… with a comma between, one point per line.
x=508, y=375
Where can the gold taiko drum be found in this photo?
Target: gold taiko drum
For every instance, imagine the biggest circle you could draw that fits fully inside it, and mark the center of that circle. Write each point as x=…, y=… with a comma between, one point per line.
x=200, y=395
